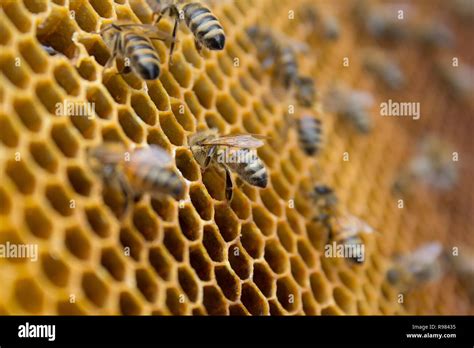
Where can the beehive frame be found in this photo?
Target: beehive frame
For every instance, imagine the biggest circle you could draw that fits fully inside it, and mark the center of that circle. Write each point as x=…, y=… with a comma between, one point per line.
x=261, y=254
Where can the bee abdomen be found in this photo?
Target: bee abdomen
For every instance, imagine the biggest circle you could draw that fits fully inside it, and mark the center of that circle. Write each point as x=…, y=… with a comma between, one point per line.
x=309, y=130
x=205, y=26
x=289, y=65
x=161, y=181
x=256, y=173
x=143, y=56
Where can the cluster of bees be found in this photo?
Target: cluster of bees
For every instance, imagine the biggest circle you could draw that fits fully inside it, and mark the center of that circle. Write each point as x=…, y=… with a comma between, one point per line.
x=135, y=172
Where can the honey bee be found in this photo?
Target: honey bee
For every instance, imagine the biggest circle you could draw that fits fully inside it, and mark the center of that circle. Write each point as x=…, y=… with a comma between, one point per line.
x=436, y=35
x=381, y=22
x=310, y=134
x=326, y=26
x=50, y=50
x=458, y=80
x=432, y=164
x=277, y=51
x=384, y=68
x=462, y=264
x=352, y=105
x=423, y=265
x=233, y=153
x=137, y=171
x=132, y=42
x=305, y=91
x=343, y=228
x=206, y=28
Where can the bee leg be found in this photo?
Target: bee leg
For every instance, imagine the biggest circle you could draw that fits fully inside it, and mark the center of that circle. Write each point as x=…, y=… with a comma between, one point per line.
x=209, y=156
x=126, y=191
x=114, y=52
x=229, y=185
x=198, y=46
x=173, y=41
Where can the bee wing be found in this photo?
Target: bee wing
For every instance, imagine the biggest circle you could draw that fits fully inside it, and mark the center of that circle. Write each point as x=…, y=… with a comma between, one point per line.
x=152, y=154
x=353, y=224
x=241, y=141
x=428, y=253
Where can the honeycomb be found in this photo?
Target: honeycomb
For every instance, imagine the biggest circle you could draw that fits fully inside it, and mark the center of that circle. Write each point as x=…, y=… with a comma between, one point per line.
x=261, y=254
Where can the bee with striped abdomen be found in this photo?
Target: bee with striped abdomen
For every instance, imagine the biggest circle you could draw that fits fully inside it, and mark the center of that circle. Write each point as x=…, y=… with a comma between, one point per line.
x=351, y=104
x=233, y=153
x=384, y=68
x=343, y=227
x=206, y=28
x=132, y=43
x=309, y=134
x=423, y=265
x=305, y=91
x=137, y=171
x=277, y=51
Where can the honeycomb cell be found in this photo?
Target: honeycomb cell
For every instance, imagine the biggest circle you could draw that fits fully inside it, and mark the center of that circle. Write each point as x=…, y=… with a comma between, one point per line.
x=129, y=304
x=146, y=284
x=87, y=70
x=33, y=55
x=174, y=242
x=213, y=120
x=193, y=103
x=189, y=283
x=310, y=307
x=133, y=245
x=85, y=16
x=307, y=254
x=172, y=129
x=17, y=14
x=68, y=308
x=165, y=210
x=9, y=136
x=28, y=113
x=276, y=257
x=215, y=75
x=281, y=186
x=299, y=270
x=239, y=261
x=158, y=96
x=190, y=223
x=143, y=108
x=204, y=91
x=288, y=294
x=130, y=125
x=264, y=279
x=5, y=33
x=97, y=220
x=94, y=289
x=156, y=137
x=241, y=205
x=276, y=308
x=181, y=72
x=64, y=139
x=29, y=295
x=146, y=223
x=5, y=202
x=227, y=222
x=21, y=176
x=253, y=300
x=201, y=263
x=227, y=107
x=320, y=287
x=170, y=85
x=79, y=180
x=226, y=64
x=56, y=270
x=59, y=200
x=214, y=244
x=183, y=115
x=66, y=78
x=190, y=54
x=175, y=302
x=103, y=8
x=214, y=301
x=77, y=243
x=271, y=202
x=101, y=101
x=13, y=70
x=201, y=201
x=161, y=262
x=114, y=263
x=38, y=223
x=238, y=310
x=117, y=89
x=50, y=97
x=252, y=240
x=331, y=310
x=344, y=300
x=286, y=236
x=263, y=220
